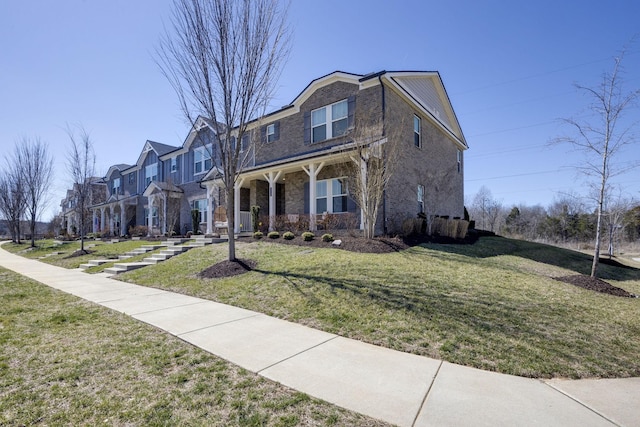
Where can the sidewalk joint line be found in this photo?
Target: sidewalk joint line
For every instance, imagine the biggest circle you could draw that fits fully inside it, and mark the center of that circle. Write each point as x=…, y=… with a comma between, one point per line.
x=297, y=354
x=165, y=308
x=584, y=405
x=426, y=395
x=214, y=325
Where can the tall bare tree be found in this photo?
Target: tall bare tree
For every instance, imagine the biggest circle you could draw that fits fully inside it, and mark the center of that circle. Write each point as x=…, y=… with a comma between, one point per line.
x=603, y=137
x=371, y=160
x=81, y=161
x=223, y=59
x=36, y=171
x=12, y=198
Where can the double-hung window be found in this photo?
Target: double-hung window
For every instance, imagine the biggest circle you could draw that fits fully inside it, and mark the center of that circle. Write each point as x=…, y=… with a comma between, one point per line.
x=174, y=164
x=201, y=206
x=271, y=132
x=151, y=173
x=331, y=195
x=154, y=217
x=330, y=121
x=416, y=131
x=202, y=159
x=116, y=186
x=459, y=157
x=132, y=177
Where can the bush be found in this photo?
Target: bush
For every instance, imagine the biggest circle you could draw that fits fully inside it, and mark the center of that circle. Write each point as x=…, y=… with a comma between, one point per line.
x=258, y=235
x=327, y=237
x=138, y=231
x=308, y=236
x=288, y=235
x=273, y=235
x=255, y=218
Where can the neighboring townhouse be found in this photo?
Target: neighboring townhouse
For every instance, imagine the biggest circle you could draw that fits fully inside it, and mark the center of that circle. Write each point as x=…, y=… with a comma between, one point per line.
x=296, y=169
x=71, y=215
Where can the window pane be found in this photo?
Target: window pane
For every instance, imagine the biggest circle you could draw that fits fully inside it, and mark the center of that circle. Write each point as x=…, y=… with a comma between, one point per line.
x=207, y=164
x=338, y=187
x=340, y=127
x=416, y=124
x=321, y=189
x=318, y=117
x=339, y=110
x=340, y=204
x=319, y=133
x=197, y=155
x=321, y=205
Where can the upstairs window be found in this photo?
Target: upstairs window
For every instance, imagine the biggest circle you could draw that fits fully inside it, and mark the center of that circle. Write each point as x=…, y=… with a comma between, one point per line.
x=330, y=121
x=174, y=164
x=116, y=186
x=271, y=132
x=416, y=131
x=202, y=159
x=150, y=173
x=132, y=177
x=459, y=157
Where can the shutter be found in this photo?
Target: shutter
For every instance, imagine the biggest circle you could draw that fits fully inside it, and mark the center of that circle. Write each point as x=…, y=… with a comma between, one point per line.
x=306, y=198
x=351, y=108
x=263, y=134
x=307, y=127
x=276, y=131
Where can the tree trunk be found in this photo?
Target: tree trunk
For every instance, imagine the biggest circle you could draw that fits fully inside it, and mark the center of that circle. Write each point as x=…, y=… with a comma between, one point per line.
x=231, y=220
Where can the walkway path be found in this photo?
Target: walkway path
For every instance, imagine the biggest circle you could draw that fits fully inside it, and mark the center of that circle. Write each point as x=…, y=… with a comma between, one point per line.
x=400, y=388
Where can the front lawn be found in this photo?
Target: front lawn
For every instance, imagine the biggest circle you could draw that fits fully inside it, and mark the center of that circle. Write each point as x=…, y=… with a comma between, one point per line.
x=493, y=305
x=65, y=361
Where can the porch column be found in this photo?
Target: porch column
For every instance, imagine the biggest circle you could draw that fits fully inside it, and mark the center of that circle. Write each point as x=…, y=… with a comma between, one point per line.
x=94, y=221
x=313, y=171
x=112, y=220
x=365, y=187
x=209, y=209
x=236, y=206
x=123, y=219
x=164, y=213
x=102, y=218
x=150, y=215
x=272, y=178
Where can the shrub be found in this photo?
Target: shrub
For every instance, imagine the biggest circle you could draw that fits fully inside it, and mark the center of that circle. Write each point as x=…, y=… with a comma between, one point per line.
x=258, y=235
x=288, y=235
x=308, y=236
x=327, y=237
x=255, y=218
x=138, y=231
x=273, y=235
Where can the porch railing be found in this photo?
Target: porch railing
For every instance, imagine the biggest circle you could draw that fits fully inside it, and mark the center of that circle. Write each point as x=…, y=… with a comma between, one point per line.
x=245, y=221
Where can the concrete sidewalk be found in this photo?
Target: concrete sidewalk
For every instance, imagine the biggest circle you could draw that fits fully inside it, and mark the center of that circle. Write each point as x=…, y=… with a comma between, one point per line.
x=400, y=388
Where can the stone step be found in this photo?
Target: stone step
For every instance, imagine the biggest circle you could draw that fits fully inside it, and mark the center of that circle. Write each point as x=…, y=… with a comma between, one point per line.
x=123, y=257
x=122, y=267
x=94, y=263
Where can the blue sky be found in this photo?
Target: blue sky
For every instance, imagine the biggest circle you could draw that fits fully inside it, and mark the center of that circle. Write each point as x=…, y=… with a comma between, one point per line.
x=508, y=67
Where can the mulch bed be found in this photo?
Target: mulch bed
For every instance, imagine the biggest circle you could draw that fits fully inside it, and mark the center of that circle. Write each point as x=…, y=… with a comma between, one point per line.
x=79, y=253
x=595, y=284
x=227, y=269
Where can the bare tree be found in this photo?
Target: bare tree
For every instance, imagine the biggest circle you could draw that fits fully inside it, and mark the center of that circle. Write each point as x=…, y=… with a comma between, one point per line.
x=486, y=209
x=36, y=171
x=223, y=59
x=602, y=138
x=371, y=160
x=12, y=198
x=81, y=161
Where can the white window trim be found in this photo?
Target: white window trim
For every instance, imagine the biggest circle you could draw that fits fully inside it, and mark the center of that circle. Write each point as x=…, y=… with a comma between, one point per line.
x=148, y=178
x=154, y=216
x=328, y=120
x=205, y=155
x=271, y=132
x=116, y=188
x=330, y=195
x=420, y=198
x=174, y=165
x=418, y=131
x=459, y=159
x=202, y=206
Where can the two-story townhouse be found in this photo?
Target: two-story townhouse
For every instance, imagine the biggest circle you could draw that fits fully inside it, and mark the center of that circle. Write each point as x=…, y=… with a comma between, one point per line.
x=299, y=168
x=296, y=169
x=71, y=214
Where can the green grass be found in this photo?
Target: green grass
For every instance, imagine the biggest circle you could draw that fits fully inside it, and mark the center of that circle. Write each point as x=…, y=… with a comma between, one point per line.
x=65, y=361
x=492, y=305
x=46, y=250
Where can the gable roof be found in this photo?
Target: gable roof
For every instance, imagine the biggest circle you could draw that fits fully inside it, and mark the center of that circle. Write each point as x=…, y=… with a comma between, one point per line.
x=157, y=147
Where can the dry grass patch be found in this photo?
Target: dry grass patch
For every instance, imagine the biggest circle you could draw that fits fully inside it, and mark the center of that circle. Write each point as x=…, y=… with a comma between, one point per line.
x=64, y=361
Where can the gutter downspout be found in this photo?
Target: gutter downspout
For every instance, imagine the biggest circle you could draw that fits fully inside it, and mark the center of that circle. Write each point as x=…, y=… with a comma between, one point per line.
x=384, y=132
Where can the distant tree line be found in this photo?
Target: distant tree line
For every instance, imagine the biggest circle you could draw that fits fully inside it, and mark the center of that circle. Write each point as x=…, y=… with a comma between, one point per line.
x=568, y=220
